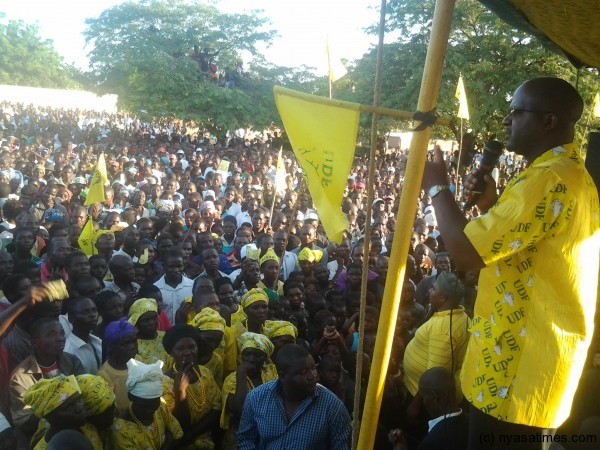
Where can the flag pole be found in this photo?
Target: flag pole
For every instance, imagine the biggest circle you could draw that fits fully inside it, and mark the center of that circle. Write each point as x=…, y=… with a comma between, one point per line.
x=275, y=186
x=460, y=148
x=397, y=114
x=356, y=418
x=430, y=86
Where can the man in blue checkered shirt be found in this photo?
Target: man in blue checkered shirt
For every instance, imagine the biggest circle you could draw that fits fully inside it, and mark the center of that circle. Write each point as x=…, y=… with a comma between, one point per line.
x=294, y=412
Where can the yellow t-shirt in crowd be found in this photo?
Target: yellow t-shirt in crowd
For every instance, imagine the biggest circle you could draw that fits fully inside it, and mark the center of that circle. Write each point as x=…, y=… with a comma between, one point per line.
x=125, y=434
x=537, y=295
x=432, y=347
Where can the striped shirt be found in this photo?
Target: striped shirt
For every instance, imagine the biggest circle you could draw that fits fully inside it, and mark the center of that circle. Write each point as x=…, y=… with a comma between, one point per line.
x=431, y=346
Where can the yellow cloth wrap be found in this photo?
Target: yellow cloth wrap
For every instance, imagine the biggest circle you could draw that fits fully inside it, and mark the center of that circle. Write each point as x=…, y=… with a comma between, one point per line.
x=276, y=328
x=253, y=296
x=253, y=254
x=307, y=254
x=47, y=395
x=209, y=320
x=140, y=307
x=257, y=341
x=96, y=394
x=144, y=258
x=269, y=256
x=99, y=233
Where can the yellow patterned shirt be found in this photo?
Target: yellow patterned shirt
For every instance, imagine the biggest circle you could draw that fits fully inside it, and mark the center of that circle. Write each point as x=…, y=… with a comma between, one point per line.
x=202, y=397
x=128, y=435
x=152, y=350
x=88, y=430
x=535, y=306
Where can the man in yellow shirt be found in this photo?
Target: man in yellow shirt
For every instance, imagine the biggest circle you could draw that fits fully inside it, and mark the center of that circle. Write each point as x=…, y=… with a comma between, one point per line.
x=537, y=246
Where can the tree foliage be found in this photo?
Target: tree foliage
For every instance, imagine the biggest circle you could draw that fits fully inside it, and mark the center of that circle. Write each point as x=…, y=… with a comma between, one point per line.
x=493, y=58
x=143, y=52
x=27, y=60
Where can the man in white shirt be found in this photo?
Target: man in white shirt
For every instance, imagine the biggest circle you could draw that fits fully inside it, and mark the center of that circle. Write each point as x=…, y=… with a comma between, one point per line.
x=290, y=260
x=83, y=315
x=174, y=286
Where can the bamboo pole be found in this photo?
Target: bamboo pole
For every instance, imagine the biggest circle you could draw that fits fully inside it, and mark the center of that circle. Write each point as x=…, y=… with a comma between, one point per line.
x=370, y=196
x=398, y=114
x=430, y=86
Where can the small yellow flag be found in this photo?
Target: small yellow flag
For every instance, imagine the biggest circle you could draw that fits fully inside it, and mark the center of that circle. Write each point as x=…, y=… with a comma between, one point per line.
x=323, y=136
x=463, y=107
x=336, y=69
x=86, y=238
x=597, y=105
x=96, y=191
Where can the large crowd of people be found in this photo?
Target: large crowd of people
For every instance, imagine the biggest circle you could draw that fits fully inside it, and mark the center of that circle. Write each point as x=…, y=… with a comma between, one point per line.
x=212, y=311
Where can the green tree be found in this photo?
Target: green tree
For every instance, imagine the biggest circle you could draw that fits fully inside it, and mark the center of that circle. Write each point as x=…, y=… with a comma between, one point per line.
x=493, y=58
x=148, y=53
x=27, y=60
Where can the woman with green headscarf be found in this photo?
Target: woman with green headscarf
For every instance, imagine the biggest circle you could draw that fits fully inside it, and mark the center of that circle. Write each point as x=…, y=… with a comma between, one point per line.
x=254, y=370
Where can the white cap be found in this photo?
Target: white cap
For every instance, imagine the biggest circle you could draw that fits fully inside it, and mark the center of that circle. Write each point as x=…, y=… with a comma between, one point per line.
x=311, y=216
x=209, y=193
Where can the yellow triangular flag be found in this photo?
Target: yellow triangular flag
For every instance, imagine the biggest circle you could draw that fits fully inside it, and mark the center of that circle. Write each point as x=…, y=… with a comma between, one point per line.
x=335, y=67
x=86, y=238
x=597, y=105
x=281, y=173
x=323, y=136
x=96, y=190
x=463, y=107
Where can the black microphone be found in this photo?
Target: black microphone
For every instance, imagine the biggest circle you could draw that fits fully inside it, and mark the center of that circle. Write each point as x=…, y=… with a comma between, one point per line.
x=491, y=154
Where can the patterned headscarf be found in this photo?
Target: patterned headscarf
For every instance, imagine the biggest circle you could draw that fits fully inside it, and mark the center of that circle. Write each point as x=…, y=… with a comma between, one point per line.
x=47, y=395
x=307, y=254
x=257, y=341
x=276, y=328
x=252, y=253
x=96, y=394
x=140, y=307
x=269, y=256
x=209, y=320
x=253, y=296
x=116, y=331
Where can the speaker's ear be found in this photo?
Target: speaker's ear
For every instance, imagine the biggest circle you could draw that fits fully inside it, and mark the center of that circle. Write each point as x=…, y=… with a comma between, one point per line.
x=592, y=159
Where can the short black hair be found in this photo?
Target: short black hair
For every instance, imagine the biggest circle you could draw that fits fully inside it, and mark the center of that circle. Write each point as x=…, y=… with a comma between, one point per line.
x=38, y=325
x=287, y=355
x=72, y=255
x=102, y=299
x=147, y=290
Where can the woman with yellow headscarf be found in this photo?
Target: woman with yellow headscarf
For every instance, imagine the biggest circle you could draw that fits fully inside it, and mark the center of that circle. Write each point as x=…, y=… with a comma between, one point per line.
x=98, y=401
x=59, y=402
x=211, y=329
x=255, y=306
x=269, y=271
x=254, y=370
x=143, y=315
x=280, y=332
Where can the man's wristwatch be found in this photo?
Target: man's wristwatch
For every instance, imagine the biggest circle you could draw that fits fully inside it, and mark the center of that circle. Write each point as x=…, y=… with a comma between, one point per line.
x=435, y=190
